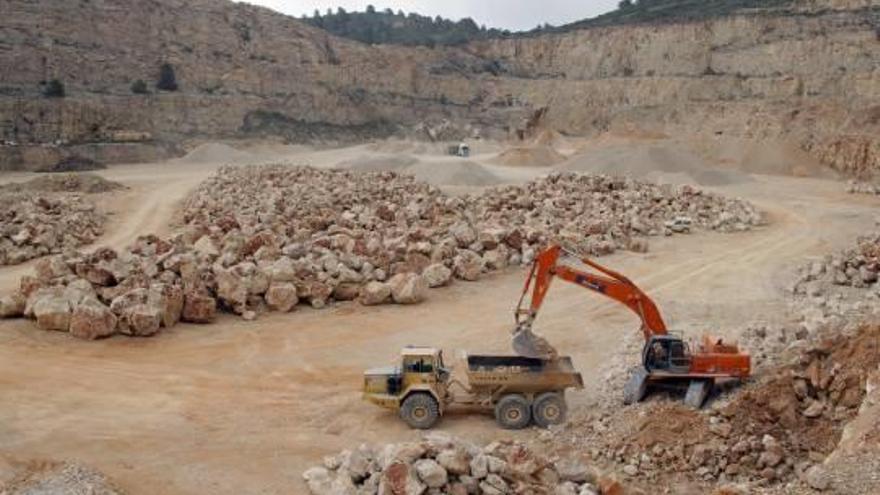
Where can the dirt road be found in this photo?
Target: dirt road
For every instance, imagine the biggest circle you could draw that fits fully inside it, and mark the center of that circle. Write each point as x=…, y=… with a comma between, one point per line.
x=240, y=407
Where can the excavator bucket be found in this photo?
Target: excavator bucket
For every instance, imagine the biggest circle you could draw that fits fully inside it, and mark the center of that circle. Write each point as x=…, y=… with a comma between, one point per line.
x=531, y=345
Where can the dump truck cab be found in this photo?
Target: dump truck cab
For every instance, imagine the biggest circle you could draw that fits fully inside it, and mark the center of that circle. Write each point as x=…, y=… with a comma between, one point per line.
x=421, y=370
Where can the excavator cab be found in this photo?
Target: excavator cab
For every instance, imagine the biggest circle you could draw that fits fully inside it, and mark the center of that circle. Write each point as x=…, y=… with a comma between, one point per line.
x=667, y=353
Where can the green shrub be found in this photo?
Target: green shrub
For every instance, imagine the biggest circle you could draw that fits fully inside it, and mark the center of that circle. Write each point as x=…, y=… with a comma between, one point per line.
x=139, y=87
x=54, y=89
x=167, y=78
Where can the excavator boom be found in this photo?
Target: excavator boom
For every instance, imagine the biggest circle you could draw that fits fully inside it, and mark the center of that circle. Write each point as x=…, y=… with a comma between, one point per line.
x=607, y=282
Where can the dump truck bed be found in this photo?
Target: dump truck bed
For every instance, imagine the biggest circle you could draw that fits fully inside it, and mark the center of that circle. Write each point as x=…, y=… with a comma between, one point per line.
x=522, y=374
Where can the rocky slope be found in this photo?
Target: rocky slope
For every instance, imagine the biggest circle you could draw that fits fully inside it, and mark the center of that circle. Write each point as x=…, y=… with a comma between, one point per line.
x=807, y=76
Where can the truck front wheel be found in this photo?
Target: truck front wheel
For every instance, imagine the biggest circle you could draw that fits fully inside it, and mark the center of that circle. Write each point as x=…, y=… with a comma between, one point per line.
x=420, y=411
x=549, y=409
x=512, y=412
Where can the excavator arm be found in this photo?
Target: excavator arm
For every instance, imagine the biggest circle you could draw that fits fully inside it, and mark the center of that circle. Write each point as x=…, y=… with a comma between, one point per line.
x=604, y=281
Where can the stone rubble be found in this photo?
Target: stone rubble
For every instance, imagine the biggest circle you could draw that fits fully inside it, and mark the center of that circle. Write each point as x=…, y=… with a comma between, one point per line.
x=774, y=432
x=39, y=224
x=440, y=463
x=860, y=187
x=268, y=238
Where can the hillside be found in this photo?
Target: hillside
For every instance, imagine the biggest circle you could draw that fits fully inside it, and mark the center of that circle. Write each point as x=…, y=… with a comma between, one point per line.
x=245, y=71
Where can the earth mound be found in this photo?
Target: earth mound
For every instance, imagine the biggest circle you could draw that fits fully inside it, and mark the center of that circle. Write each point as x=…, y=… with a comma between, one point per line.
x=73, y=164
x=529, y=156
x=653, y=161
x=215, y=153
x=68, y=183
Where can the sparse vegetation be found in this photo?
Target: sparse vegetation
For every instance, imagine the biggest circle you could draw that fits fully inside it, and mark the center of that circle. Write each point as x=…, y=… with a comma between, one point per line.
x=139, y=87
x=654, y=11
x=167, y=78
x=54, y=89
x=388, y=27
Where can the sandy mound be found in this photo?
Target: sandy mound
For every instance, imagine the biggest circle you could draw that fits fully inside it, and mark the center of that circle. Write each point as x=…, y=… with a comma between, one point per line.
x=453, y=173
x=82, y=183
x=529, y=156
x=450, y=172
x=382, y=163
x=215, y=153
x=661, y=161
x=768, y=157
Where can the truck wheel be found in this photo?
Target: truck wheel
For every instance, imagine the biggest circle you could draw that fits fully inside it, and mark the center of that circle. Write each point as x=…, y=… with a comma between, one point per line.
x=420, y=411
x=512, y=412
x=636, y=388
x=697, y=392
x=549, y=409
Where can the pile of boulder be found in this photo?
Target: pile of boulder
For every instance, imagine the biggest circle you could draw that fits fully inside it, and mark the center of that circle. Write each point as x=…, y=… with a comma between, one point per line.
x=779, y=429
x=354, y=231
x=152, y=285
x=267, y=238
x=443, y=464
x=857, y=267
x=598, y=214
x=38, y=224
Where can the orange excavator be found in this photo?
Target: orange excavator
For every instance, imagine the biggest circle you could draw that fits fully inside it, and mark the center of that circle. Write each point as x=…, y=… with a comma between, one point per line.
x=667, y=360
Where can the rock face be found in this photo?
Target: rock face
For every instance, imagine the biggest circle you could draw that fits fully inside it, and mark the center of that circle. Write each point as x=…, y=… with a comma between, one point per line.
x=718, y=73
x=440, y=463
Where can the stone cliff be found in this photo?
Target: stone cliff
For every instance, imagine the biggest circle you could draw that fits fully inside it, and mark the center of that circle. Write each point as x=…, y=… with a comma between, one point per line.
x=810, y=75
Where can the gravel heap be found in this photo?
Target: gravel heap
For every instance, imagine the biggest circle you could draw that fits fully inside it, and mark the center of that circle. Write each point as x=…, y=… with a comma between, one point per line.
x=59, y=478
x=70, y=183
x=440, y=463
x=39, y=224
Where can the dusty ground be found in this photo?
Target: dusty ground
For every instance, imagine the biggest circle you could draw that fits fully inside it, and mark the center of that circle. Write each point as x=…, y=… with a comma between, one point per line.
x=240, y=407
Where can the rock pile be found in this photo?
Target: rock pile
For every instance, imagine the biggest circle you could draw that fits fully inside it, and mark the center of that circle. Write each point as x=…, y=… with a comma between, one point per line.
x=598, y=214
x=856, y=187
x=856, y=267
x=443, y=464
x=777, y=430
x=268, y=238
x=351, y=232
x=38, y=224
x=152, y=285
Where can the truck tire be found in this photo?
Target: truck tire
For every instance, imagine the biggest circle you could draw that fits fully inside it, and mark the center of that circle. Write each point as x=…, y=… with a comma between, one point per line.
x=512, y=412
x=420, y=411
x=549, y=409
x=697, y=392
x=636, y=387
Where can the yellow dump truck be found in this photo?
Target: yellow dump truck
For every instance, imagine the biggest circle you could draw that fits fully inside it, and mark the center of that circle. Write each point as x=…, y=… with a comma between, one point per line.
x=517, y=389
